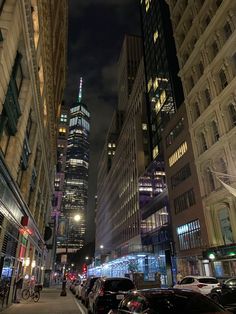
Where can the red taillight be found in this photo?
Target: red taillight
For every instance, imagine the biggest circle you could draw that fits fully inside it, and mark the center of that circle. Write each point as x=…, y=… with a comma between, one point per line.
x=101, y=292
x=201, y=285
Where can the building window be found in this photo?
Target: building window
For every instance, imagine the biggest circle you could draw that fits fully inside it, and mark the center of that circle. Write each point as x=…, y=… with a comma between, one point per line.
x=227, y=30
x=232, y=114
x=215, y=132
x=196, y=111
x=175, y=132
x=224, y=169
x=201, y=69
x=211, y=182
x=62, y=131
x=184, y=201
x=218, y=3
x=207, y=97
x=223, y=79
x=63, y=118
x=25, y=154
x=203, y=143
x=189, y=235
x=180, y=176
x=191, y=83
x=155, y=36
x=180, y=151
x=214, y=49
x=225, y=225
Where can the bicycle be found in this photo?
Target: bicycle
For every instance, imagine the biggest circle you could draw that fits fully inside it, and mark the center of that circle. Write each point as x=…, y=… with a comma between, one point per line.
x=33, y=293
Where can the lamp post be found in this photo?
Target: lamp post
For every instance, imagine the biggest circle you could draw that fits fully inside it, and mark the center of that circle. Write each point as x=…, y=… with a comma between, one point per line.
x=76, y=218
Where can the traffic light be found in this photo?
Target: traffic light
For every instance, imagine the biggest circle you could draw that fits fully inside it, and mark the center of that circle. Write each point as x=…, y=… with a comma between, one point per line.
x=84, y=268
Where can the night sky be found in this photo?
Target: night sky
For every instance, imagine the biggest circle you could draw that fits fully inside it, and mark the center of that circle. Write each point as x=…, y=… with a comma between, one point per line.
x=95, y=35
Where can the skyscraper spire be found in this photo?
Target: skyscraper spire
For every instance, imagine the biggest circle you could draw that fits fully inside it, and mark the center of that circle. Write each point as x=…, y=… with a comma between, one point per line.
x=80, y=90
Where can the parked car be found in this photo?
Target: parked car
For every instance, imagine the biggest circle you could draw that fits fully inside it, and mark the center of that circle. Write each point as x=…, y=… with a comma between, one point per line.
x=168, y=301
x=78, y=289
x=74, y=284
x=107, y=293
x=200, y=284
x=226, y=294
x=87, y=287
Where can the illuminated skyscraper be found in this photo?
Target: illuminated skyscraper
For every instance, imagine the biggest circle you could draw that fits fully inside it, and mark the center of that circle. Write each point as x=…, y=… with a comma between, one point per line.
x=76, y=176
x=164, y=87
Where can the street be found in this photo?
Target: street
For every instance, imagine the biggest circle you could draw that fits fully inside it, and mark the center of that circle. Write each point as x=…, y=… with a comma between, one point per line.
x=50, y=303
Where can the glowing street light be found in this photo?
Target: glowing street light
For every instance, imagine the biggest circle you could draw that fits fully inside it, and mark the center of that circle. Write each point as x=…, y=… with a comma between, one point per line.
x=77, y=218
x=101, y=246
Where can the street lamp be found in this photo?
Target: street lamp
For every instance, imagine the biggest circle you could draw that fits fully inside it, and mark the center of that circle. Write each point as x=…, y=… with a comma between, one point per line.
x=76, y=218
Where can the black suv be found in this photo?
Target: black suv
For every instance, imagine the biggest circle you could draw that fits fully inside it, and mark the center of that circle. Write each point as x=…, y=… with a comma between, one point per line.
x=107, y=293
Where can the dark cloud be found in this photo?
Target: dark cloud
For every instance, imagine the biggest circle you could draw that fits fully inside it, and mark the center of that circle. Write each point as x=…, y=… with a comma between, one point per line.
x=96, y=31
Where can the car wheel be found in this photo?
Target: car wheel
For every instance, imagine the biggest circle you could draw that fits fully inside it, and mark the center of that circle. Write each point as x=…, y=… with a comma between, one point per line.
x=215, y=298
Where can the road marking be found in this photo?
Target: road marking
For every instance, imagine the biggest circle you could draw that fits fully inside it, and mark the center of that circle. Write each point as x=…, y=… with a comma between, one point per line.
x=80, y=307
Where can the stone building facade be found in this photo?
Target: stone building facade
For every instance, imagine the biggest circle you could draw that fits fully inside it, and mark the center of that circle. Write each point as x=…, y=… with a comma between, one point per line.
x=205, y=37
x=32, y=66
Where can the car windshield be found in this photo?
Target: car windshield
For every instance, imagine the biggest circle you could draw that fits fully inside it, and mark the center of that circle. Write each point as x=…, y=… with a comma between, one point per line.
x=208, y=280
x=182, y=304
x=118, y=285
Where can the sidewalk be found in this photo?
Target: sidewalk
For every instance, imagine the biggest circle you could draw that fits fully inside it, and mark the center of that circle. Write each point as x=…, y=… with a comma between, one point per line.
x=50, y=303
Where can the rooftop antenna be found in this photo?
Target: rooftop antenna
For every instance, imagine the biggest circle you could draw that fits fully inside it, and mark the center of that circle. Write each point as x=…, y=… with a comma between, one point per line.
x=80, y=90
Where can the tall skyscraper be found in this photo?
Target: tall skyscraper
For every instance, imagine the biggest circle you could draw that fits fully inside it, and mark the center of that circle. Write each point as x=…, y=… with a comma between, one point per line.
x=164, y=88
x=75, y=193
x=164, y=96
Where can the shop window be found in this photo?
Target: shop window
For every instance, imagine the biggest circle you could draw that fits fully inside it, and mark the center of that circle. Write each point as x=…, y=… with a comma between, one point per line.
x=225, y=225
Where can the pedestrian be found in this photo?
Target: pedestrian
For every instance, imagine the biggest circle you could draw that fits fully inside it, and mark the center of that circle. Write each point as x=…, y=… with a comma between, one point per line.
x=158, y=280
x=179, y=277
x=19, y=285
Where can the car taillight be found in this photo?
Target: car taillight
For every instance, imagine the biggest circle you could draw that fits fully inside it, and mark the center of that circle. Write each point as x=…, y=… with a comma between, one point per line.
x=201, y=285
x=101, y=292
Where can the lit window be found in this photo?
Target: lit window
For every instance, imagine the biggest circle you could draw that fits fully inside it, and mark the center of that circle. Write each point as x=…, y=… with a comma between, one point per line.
x=144, y=126
x=181, y=150
x=155, y=152
x=155, y=36
x=155, y=84
x=109, y=144
x=62, y=130
x=147, y=4
x=149, y=85
x=163, y=97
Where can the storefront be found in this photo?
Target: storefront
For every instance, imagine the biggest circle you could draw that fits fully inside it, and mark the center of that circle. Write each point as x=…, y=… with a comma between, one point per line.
x=221, y=261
